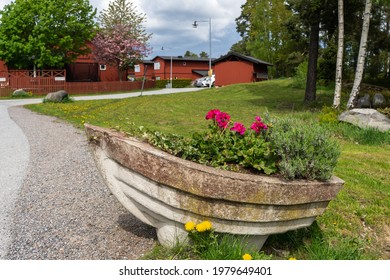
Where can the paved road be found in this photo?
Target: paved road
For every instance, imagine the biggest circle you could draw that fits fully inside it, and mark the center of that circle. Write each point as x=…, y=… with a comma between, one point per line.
x=15, y=152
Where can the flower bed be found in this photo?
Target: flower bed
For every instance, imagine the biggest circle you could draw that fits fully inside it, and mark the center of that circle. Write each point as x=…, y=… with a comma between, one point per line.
x=284, y=147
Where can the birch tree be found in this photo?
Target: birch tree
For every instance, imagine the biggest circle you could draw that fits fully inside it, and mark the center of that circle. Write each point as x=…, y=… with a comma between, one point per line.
x=340, y=54
x=361, y=57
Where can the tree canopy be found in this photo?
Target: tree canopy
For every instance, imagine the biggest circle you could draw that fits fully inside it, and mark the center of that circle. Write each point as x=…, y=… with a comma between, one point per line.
x=279, y=31
x=45, y=33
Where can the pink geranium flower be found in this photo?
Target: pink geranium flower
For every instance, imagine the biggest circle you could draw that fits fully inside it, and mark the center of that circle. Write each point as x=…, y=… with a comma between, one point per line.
x=212, y=113
x=222, y=119
x=258, y=125
x=239, y=128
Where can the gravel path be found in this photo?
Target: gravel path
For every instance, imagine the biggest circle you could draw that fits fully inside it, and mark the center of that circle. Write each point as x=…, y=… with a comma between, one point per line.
x=64, y=210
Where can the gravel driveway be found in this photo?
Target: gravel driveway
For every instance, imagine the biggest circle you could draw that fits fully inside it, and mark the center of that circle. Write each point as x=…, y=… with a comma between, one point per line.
x=64, y=210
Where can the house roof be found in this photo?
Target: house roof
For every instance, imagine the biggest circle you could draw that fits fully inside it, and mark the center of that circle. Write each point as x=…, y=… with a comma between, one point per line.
x=148, y=61
x=201, y=72
x=184, y=58
x=241, y=56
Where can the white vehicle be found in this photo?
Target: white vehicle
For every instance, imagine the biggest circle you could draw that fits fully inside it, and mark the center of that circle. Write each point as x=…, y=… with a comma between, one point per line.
x=205, y=81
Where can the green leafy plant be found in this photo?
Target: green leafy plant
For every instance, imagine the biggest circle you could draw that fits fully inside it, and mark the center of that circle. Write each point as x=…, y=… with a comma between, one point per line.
x=177, y=83
x=299, y=79
x=296, y=150
x=305, y=151
x=328, y=115
x=385, y=111
x=210, y=245
x=223, y=146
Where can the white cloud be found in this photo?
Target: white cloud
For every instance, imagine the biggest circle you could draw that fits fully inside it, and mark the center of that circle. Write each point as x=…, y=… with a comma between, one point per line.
x=170, y=21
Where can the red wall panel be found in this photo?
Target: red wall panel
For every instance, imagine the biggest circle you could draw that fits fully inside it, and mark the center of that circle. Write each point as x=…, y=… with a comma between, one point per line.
x=233, y=72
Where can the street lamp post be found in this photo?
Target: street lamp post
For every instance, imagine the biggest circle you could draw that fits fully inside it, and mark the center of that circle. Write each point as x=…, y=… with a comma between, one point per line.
x=170, y=74
x=195, y=25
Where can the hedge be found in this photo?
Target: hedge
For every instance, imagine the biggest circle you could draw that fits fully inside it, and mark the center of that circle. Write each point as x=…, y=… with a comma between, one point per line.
x=178, y=83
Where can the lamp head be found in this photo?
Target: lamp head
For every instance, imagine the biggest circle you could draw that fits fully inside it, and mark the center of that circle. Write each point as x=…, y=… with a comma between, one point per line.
x=195, y=24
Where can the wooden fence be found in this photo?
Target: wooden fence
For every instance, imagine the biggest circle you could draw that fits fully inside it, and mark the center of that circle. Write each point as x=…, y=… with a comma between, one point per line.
x=42, y=82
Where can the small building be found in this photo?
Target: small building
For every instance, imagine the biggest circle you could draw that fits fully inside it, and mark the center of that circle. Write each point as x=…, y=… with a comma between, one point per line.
x=87, y=69
x=145, y=68
x=182, y=67
x=235, y=68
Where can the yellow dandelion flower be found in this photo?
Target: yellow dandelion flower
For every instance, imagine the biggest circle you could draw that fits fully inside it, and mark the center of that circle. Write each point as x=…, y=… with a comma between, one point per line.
x=204, y=226
x=247, y=257
x=292, y=259
x=189, y=226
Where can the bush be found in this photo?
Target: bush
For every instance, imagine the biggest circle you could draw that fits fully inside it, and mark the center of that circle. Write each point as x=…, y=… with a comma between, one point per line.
x=178, y=83
x=305, y=151
x=299, y=79
x=328, y=115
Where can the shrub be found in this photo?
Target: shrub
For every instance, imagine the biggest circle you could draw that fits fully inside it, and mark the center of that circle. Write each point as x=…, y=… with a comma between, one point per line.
x=305, y=151
x=328, y=115
x=299, y=79
x=178, y=83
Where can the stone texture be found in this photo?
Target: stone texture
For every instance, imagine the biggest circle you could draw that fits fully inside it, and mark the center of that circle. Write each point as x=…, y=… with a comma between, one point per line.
x=57, y=96
x=365, y=118
x=364, y=102
x=378, y=101
x=166, y=192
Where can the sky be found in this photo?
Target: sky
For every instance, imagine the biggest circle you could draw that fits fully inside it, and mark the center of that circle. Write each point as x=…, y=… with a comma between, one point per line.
x=170, y=22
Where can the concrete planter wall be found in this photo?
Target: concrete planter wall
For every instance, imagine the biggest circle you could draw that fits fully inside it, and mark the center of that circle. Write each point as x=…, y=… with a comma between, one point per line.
x=166, y=192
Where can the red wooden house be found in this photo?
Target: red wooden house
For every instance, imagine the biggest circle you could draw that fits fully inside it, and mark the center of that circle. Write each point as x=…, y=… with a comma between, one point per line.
x=159, y=68
x=235, y=68
x=87, y=69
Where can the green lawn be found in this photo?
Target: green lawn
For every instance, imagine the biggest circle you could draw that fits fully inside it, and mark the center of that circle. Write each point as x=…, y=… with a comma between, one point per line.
x=356, y=224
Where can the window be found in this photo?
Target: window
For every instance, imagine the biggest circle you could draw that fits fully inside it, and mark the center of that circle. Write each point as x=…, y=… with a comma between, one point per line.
x=137, y=68
x=157, y=66
x=103, y=67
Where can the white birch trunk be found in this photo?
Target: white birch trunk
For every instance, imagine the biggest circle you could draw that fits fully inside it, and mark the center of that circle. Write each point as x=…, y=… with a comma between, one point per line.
x=340, y=54
x=362, y=56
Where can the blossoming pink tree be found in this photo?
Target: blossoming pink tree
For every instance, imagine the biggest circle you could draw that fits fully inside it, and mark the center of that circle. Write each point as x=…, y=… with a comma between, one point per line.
x=121, y=40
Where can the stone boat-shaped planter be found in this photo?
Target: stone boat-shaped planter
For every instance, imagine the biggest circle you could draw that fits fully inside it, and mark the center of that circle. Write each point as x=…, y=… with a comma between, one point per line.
x=166, y=192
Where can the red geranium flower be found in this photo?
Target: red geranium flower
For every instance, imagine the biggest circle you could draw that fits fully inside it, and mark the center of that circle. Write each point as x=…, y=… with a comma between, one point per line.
x=258, y=125
x=239, y=128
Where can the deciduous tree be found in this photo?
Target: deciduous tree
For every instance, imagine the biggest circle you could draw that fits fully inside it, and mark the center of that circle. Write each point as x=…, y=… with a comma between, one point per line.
x=361, y=57
x=45, y=33
x=122, y=40
x=340, y=52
